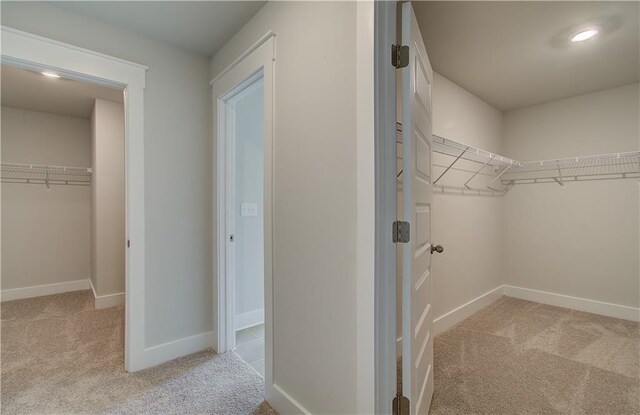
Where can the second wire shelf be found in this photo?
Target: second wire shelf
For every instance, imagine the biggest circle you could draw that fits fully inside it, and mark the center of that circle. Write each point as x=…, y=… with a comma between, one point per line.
x=504, y=172
x=44, y=174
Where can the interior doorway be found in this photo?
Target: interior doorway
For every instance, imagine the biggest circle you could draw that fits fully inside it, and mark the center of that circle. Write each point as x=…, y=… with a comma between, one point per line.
x=64, y=229
x=245, y=221
x=243, y=136
x=42, y=55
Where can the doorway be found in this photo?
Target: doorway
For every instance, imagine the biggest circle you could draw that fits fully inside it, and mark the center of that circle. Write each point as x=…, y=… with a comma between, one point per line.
x=243, y=137
x=245, y=221
x=63, y=211
x=39, y=54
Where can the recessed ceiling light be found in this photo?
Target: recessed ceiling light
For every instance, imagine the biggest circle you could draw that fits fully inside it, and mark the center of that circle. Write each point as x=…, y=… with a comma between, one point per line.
x=584, y=35
x=51, y=74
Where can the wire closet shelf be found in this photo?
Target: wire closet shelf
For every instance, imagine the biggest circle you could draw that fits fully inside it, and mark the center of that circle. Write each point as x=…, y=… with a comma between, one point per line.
x=43, y=174
x=503, y=173
x=581, y=168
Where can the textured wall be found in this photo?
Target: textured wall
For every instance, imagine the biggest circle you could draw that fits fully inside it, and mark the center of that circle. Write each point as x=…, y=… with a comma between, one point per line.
x=107, y=195
x=580, y=240
x=45, y=234
x=468, y=226
x=315, y=211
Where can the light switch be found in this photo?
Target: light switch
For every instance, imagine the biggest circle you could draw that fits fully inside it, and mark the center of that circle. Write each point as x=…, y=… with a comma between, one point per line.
x=249, y=209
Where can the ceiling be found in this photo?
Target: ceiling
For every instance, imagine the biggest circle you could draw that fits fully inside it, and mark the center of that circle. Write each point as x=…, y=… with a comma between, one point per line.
x=22, y=88
x=517, y=54
x=202, y=27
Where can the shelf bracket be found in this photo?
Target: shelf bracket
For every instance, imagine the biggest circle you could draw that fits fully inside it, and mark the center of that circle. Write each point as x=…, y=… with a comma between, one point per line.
x=509, y=186
x=466, y=184
x=560, y=179
x=451, y=165
x=497, y=177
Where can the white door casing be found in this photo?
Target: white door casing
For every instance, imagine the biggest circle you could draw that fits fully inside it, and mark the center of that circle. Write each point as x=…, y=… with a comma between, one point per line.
x=257, y=61
x=417, y=313
x=255, y=64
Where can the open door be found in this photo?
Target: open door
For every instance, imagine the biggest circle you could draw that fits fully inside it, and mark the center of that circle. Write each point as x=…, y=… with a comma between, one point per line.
x=417, y=314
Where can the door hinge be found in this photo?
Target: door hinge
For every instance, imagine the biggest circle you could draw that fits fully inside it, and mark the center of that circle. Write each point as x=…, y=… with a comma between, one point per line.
x=128, y=243
x=401, y=232
x=399, y=56
x=400, y=405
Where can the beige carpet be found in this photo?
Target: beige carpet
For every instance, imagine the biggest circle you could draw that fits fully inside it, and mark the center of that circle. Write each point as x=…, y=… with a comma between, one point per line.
x=520, y=357
x=61, y=356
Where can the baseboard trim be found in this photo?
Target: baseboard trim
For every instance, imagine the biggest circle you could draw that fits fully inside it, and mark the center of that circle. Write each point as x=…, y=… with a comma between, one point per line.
x=41, y=290
x=249, y=319
x=453, y=317
x=165, y=352
x=458, y=314
x=106, y=301
x=282, y=402
x=110, y=300
x=574, y=303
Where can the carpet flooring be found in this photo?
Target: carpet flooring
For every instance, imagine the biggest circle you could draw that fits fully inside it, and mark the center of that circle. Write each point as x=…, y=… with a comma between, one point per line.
x=61, y=356
x=521, y=357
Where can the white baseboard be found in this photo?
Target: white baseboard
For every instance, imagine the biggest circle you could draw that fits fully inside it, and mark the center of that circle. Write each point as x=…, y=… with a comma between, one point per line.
x=282, y=402
x=40, y=290
x=108, y=300
x=165, y=352
x=249, y=319
x=458, y=314
x=575, y=303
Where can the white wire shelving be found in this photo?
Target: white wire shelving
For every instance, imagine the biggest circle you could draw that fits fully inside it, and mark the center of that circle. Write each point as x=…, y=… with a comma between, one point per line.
x=502, y=173
x=455, y=149
x=595, y=167
x=487, y=163
x=46, y=175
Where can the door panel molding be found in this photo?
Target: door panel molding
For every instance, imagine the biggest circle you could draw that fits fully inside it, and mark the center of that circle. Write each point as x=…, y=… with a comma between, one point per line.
x=417, y=312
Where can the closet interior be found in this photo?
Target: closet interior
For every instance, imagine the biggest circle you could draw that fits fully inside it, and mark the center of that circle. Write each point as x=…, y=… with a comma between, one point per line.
x=535, y=165
x=63, y=214
x=535, y=174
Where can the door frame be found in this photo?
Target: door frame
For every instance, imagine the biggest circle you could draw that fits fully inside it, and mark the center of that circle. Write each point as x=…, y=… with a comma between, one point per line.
x=256, y=62
x=39, y=53
x=385, y=25
x=227, y=138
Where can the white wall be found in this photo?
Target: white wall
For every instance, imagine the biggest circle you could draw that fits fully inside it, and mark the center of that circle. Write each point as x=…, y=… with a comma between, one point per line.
x=249, y=230
x=107, y=195
x=467, y=226
x=315, y=195
x=177, y=156
x=581, y=240
x=45, y=234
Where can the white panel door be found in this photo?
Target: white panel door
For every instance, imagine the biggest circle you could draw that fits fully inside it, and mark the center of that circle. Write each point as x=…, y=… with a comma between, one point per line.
x=417, y=313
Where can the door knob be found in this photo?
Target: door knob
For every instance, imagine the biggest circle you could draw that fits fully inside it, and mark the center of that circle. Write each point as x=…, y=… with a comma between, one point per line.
x=438, y=248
